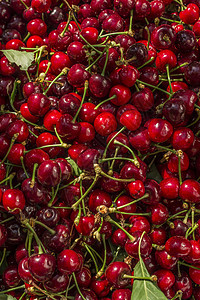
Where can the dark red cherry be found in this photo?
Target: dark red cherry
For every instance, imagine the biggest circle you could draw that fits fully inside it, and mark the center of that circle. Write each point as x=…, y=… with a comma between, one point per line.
x=24, y=271
x=165, y=260
x=105, y=123
x=182, y=138
x=183, y=283
x=83, y=277
x=178, y=246
x=143, y=100
x=121, y=294
x=99, y=85
x=68, y=261
x=163, y=37
x=136, y=54
x=3, y=234
x=165, y=279
x=132, y=247
x=13, y=201
x=11, y=276
x=97, y=198
x=68, y=128
x=48, y=173
x=190, y=191
x=114, y=274
x=169, y=188
x=42, y=266
x=57, y=284
x=38, y=104
x=87, y=294
x=159, y=130
x=85, y=225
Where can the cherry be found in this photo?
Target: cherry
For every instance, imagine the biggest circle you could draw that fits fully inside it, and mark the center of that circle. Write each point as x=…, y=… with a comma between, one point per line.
x=23, y=270
x=173, y=162
x=121, y=294
x=169, y=188
x=159, y=214
x=77, y=75
x=192, y=73
x=125, y=41
x=114, y=274
x=21, y=253
x=182, y=138
x=178, y=246
x=137, y=54
x=113, y=57
x=163, y=37
x=100, y=287
x=37, y=27
x=111, y=185
x=139, y=223
x=85, y=225
x=38, y=104
x=97, y=198
x=136, y=189
x=105, y=124
x=165, y=279
x=132, y=246
x=13, y=201
x=139, y=139
x=177, y=227
x=41, y=6
x=149, y=75
x=129, y=170
x=119, y=237
x=165, y=260
x=122, y=138
x=48, y=173
x=76, y=52
x=190, y=15
x=68, y=261
x=194, y=256
x=154, y=191
x=6, y=69
x=57, y=284
x=131, y=119
x=42, y=266
x=11, y=277
x=83, y=277
x=183, y=283
x=3, y=234
x=159, y=130
x=59, y=61
x=124, y=200
x=20, y=128
x=165, y=57
x=67, y=128
x=15, y=154
x=10, y=34
x=175, y=111
x=2, y=171
x=190, y=191
x=87, y=294
x=56, y=242
x=99, y=85
x=143, y=100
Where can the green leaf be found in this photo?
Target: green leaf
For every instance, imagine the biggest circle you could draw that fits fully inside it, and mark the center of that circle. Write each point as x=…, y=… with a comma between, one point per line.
x=154, y=174
x=22, y=59
x=7, y=297
x=74, y=166
x=145, y=289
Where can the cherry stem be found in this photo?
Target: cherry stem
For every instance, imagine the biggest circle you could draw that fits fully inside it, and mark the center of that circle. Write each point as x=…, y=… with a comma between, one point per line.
x=119, y=158
x=177, y=214
x=30, y=238
x=8, y=178
x=104, y=101
x=109, y=219
x=23, y=166
x=122, y=192
x=7, y=220
x=153, y=86
x=113, y=33
x=74, y=206
x=197, y=119
x=178, y=67
x=95, y=252
x=57, y=135
x=116, y=254
x=42, y=291
x=3, y=256
x=33, y=175
x=117, y=179
x=66, y=27
x=22, y=296
x=136, y=162
x=131, y=21
x=91, y=254
x=101, y=271
x=11, y=144
x=148, y=36
x=191, y=230
x=146, y=63
x=179, y=170
x=139, y=246
x=45, y=226
x=106, y=62
x=106, y=149
x=165, y=148
x=33, y=133
x=90, y=45
x=83, y=203
x=169, y=20
x=86, y=84
x=193, y=233
x=132, y=214
x=76, y=283
x=187, y=265
x=54, y=195
x=13, y=289
x=63, y=72
x=134, y=201
x=26, y=6
x=13, y=94
x=39, y=243
x=26, y=37
x=178, y=295
x=169, y=80
x=95, y=61
x=113, y=161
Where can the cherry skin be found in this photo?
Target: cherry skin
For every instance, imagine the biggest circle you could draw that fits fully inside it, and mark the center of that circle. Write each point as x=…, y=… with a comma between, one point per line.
x=159, y=214
x=41, y=6
x=23, y=270
x=105, y=123
x=178, y=246
x=100, y=287
x=59, y=61
x=13, y=201
x=42, y=266
x=165, y=279
x=48, y=173
x=99, y=85
x=165, y=260
x=114, y=274
x=184, y=284
x=131, y=119
x=68, y=128
x=172, y=163
x=139, y=223
x=97, y=198
x=11, y=277
x=85, y=225
x=16, y=153
x=124, y=200
x=143, y=100
x=68, y=262
x=38, y=104
x=57, y=284
x=83, y=277
x=169, y=188
x=131, y=247
x=165, y=57
x=182, y=138
x=190, y=191
x=87, y=294
x=3, y=234
x=119, y=237
x=159, y=130
x=37, y=27
x=121, y=294
x=136, y=189
x=139, y=139
x=20, y=128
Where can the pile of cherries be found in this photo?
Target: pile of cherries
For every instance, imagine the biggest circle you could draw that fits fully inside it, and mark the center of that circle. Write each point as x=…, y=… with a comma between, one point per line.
x=99, y=148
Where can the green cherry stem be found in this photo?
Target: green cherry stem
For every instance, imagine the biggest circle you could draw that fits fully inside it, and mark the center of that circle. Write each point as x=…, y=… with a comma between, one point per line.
x=77, y=286
x=179, y=170
x=178, y=67
x=13, y=94
x=130, y=150
x=63, y=72
x=8, y=178
x=13, y=289
x=23, y=166
x=187, y=265
x=95, y=61
x=134, y=201
x=153, y=86
x=169, y=80
x=45, y=226
x=92, y=256
x=3, y=256
x=26, y=6
x=39, y=243
x=106, y=149
x=7, y=220
x=66, y=27
x=101, y=271
x=95, y=252
x=91, y=46
x=169, y=20
x=74, y=206
x=104, y=101
x=152, y=278
x=33, y=175
x=82, y=100
x=11, y=144
x=146, y=63
x=110, y=220
x=177, y=214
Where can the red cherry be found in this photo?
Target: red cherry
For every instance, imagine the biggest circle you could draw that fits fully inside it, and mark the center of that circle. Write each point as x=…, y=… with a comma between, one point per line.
x=13, y=201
